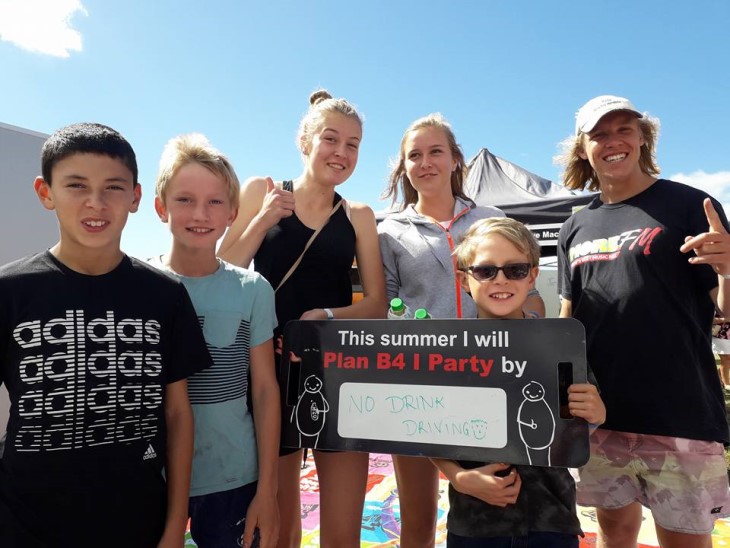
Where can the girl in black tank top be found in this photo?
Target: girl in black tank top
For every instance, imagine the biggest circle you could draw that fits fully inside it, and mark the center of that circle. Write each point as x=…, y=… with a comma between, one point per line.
x=322, y=278
x=273, y=225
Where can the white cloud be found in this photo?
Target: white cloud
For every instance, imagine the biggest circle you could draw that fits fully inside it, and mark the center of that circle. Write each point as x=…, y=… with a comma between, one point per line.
x=715, y=184
x=41, y=26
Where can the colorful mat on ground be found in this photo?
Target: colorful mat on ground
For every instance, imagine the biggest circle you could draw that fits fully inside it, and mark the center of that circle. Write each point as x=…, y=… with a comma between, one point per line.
x=381, y=516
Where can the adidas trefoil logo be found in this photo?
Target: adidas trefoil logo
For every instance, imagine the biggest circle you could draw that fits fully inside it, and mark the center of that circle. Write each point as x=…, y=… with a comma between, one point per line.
x=150, y=453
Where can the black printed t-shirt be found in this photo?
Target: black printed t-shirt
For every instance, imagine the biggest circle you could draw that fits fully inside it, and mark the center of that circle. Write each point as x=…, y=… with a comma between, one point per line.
x=546, y=504
x=85, y=360
x=647, y=311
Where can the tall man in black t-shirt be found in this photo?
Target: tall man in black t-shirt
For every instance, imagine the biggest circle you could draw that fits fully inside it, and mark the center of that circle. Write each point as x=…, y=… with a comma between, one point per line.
x=94, y=351
x=640, y=266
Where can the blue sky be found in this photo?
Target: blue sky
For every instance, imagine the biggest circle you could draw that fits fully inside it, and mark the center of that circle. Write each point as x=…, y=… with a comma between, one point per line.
x=508, y=74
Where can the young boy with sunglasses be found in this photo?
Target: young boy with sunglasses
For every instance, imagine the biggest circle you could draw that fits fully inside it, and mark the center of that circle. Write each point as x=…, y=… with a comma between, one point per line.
x=495, y=504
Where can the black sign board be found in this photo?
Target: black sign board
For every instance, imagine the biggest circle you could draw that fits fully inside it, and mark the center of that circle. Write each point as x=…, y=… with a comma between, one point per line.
x=481, y=390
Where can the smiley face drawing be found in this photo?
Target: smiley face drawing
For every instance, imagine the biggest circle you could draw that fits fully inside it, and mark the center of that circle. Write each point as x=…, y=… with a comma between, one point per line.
x=479, y=428
x=310, y=412
x=536, y=423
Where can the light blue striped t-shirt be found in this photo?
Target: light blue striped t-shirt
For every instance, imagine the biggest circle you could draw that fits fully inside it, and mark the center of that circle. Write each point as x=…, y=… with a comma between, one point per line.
x=235, y=307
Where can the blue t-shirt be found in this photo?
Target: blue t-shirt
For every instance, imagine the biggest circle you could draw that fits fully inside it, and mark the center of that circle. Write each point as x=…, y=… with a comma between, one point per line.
x=235, y=307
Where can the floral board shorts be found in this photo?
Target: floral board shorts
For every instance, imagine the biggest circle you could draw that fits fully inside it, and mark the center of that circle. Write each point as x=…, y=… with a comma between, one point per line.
x=683, y=482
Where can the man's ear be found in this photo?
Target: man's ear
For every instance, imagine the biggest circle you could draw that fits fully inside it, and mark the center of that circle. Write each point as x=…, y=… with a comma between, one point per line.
x=137, y=198
x=160, y=209
x=581, y=148
x=43, y=191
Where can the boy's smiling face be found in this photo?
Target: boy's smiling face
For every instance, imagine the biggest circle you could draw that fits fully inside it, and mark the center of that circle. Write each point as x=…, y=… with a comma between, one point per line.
x=92, y=195
x=613, y=147
x=197, y=207
x=498, y=297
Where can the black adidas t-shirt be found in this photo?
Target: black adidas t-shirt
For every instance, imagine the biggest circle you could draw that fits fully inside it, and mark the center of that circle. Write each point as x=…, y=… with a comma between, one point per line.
x=647, y=311
x=85, y=360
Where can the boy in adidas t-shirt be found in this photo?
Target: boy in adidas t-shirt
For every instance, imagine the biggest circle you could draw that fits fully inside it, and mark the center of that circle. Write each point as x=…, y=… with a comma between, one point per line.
x=94, y=350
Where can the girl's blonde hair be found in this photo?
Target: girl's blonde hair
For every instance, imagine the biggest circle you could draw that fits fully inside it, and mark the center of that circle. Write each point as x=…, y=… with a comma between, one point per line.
x=398, y=179
x=321, y=104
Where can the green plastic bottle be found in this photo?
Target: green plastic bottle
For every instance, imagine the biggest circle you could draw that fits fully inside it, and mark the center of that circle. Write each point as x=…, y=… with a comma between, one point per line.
x=422, y=314
x=398, y=310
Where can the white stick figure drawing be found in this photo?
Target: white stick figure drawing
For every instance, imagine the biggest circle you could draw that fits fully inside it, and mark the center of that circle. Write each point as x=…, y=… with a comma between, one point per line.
x=310, y=411
x=536, y=423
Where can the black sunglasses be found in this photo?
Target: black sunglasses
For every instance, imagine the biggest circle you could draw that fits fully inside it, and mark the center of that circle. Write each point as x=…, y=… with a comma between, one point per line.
x=514, y=271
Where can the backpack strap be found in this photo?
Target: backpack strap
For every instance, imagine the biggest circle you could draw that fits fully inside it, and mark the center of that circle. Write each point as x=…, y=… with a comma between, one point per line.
x=346, y=207
x=306, y=246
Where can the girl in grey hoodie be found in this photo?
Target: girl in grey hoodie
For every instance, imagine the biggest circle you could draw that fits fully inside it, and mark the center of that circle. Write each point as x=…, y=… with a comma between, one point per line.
x=417, y=244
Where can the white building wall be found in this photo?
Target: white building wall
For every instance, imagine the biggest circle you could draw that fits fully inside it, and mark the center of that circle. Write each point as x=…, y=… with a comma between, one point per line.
x=26, y=226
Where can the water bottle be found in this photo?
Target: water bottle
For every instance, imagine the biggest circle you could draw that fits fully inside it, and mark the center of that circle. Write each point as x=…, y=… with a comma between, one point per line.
x=422, y=314
x=398, y=310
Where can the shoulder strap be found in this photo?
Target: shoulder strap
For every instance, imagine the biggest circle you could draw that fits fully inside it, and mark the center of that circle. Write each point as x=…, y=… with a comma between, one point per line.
x=309, y=243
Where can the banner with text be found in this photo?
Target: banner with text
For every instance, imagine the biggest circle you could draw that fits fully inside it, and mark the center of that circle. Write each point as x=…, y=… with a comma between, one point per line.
x=482, y=390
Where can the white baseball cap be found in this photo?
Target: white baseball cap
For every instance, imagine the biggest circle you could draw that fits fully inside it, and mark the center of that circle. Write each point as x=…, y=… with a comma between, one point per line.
x=589, y=114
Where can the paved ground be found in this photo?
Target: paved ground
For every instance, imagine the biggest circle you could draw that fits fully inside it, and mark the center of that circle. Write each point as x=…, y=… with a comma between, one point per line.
x=381, y=525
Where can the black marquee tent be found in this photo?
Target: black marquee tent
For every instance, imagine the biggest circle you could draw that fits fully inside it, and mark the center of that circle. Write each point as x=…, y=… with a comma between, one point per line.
x=493, y=180
x=522, y=195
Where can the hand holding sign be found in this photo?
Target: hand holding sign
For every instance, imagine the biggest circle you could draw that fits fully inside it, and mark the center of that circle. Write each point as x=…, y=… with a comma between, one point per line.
x=314, y=314
x=584, y=402
x=712, y=247
x=484, y=483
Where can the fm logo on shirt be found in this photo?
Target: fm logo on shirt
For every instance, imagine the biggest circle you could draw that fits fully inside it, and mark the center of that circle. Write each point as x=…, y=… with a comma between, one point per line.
x=87, y=382
x=608, y=249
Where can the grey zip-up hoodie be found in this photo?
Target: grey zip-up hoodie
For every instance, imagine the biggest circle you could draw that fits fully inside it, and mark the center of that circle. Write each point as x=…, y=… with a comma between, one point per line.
x=417, y=259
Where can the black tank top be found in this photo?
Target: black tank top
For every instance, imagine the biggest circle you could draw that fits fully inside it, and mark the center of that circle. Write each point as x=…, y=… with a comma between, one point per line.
x=322, y=279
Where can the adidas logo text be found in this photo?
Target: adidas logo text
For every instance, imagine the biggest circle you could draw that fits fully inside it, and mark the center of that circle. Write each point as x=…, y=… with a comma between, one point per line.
x=150, y=453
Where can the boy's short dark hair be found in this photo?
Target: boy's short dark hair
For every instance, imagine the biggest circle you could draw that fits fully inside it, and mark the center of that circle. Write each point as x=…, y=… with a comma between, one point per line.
x=86, y=137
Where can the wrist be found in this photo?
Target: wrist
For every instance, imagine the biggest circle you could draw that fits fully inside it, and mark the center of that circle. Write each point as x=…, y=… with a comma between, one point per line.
x=266, y=492
x=262, y=223
x=458, y=478
x=328, y=312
